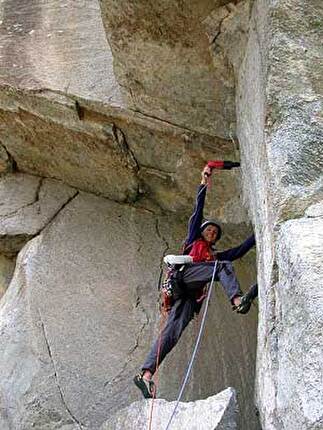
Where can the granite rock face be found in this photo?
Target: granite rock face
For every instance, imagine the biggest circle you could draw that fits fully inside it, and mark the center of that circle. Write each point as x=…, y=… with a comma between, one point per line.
x=81, y=311
x=28, y=203
x=55, y=45
x=278, y=101
x=62, y=115
x=299, y=306
x=155, y=44
x=215, y=413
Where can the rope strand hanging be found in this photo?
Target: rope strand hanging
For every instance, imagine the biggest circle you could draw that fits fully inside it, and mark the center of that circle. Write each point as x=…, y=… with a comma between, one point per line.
x=188, y=371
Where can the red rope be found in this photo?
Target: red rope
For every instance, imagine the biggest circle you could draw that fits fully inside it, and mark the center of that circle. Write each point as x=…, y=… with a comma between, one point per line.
x=161, y=327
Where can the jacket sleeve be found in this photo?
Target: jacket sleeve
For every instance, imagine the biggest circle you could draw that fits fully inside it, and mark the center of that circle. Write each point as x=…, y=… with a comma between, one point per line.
x=237, y=252
x=196, y=219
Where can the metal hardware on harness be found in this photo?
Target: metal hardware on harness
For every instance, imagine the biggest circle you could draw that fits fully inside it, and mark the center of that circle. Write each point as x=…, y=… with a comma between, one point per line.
x=195, y=348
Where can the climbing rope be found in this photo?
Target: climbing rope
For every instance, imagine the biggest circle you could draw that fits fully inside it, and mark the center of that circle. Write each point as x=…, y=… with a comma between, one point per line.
x=161, y=328
x=188, y=371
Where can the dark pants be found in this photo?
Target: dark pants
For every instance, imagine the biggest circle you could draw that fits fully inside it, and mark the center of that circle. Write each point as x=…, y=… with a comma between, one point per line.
x=195, y=276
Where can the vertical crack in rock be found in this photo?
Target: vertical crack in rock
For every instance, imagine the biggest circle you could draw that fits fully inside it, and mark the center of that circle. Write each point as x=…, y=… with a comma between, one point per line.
x=124, y=148
x=138, y=305
x=127, y=89
x=79, y=110
x=75, y=420
x=213, y=41
x=12, y=165
x=40, y=183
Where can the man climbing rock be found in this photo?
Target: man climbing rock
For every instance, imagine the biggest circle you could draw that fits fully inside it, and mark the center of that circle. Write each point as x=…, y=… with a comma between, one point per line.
x=188, y=275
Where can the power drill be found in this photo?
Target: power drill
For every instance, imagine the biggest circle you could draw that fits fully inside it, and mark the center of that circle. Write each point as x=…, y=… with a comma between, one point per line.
x=222, y=165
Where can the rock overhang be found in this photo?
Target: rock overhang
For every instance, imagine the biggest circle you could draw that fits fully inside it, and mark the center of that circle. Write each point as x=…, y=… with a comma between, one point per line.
x=111, y=151
x=84, y=129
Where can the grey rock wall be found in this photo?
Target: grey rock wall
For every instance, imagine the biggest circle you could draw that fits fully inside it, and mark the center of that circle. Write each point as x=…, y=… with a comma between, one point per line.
x=28, y=204
x=59, y=45
x=278, y=104
x=155, y=44
x=81, y=311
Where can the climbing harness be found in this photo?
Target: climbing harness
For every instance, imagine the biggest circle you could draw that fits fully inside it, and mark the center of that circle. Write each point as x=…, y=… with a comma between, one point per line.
x=190, y=365
x=172, y=287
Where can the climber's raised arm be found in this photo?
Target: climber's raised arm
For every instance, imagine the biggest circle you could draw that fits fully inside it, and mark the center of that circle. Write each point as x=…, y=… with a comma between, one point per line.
x=196, y=219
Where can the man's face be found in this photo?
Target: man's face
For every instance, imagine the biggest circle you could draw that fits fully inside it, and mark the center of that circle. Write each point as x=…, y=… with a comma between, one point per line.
x=210, y=233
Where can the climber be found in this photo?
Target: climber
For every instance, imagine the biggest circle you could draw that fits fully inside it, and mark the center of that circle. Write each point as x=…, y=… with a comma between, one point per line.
x=191, y=272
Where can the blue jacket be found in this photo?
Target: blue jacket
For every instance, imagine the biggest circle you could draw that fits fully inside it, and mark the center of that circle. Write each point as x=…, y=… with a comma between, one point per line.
x=194, y=232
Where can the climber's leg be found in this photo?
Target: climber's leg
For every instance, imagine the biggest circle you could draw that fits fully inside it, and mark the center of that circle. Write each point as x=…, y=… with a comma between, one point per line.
x=196, y=275
x=178, y=318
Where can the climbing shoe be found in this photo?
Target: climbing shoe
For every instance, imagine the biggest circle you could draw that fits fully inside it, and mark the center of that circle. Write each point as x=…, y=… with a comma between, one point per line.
x=146, y=387
x=245, y=304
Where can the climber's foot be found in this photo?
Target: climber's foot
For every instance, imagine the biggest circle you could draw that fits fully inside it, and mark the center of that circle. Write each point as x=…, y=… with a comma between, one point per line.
x=245, y=304
x=147, y=388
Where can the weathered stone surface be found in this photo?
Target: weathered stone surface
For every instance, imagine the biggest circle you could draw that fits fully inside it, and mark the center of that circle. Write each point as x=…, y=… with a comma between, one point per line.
x=280, y=135
x=299, y=324
x=64, y=315
x=28, y=203
x=79, y=291
x=215, y=413
x=6, y=164
x=7, y=266
x=59, y=45
x=79, y=316
x=227, y=30
x=157, y=43
x=113, y=152
x=57, y=54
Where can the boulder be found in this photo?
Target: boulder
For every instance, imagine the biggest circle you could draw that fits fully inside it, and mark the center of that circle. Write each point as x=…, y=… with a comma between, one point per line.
x=215, y=413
